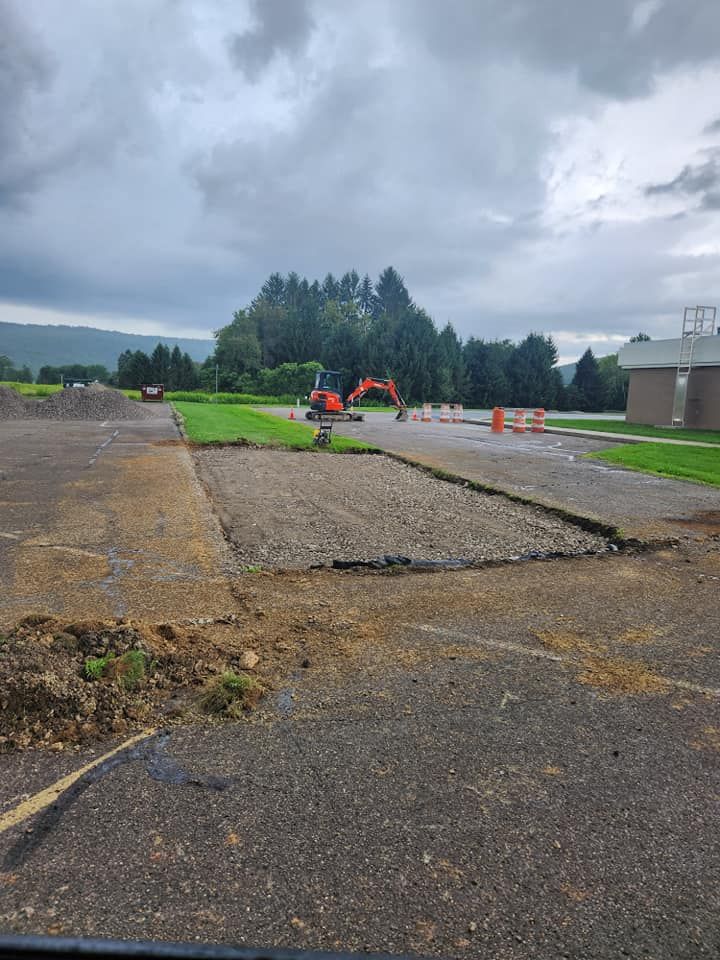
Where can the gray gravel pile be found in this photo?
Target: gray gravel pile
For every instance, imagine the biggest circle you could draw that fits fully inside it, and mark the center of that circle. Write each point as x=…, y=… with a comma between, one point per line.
x=90, y=403
x=297, y=509
x=12, y=405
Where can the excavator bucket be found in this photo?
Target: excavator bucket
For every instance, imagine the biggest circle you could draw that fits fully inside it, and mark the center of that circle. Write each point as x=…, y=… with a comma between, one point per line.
x=402, y=414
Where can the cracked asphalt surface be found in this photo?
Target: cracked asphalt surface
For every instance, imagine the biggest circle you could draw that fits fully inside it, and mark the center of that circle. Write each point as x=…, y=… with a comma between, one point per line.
x=523, y=761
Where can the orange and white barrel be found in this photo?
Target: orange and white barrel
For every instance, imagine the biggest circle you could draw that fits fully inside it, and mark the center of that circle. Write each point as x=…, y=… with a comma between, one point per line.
x=538, y=421
x=427, y=413
x=457, y=413
x=444, y=413
x=498, y=420
x=519, y=422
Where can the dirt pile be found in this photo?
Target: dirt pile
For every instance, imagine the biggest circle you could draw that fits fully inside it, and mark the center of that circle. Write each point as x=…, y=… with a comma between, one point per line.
x=63, y=682
x=12, y=405
x=90, y=403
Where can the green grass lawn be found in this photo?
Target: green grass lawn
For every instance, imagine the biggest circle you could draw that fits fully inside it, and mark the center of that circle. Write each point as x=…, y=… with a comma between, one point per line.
x=684, y=463
x=223, y=423
x=638, y=429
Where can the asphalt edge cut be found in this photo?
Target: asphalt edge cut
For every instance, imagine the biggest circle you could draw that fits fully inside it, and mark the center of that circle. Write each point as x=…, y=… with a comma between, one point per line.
x=613, y=534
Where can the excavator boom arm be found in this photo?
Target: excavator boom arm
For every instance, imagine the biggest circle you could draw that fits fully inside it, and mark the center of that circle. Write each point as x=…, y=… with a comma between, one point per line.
x=371, y=382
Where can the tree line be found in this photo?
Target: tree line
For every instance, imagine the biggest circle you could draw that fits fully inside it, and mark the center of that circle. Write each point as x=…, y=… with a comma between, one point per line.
x=8, y=371
x=174, y=369
x=360, y=329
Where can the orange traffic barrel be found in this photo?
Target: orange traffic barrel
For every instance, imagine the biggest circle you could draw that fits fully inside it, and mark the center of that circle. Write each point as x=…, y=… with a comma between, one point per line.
x=498, y=420
x=519, y=422
x=427, y=413
x=538, y=421
x=444, y=413
x=457, y=413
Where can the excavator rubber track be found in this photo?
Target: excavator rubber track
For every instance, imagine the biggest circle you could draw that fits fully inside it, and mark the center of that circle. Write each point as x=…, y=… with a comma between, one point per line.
x=341, y=415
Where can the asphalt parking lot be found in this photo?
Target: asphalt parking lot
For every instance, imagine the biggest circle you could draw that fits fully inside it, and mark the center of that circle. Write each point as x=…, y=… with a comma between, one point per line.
x=518, y=761
x=104, y=519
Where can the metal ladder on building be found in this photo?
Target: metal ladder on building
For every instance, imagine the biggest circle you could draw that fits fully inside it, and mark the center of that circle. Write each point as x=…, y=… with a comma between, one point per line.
x=697, y=322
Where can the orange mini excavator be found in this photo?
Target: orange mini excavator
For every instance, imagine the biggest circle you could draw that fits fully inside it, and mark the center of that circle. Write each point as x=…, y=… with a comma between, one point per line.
x=326, y=400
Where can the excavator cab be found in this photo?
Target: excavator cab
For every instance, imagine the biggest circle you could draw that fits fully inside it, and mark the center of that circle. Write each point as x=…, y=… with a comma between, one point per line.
x=329, y=380
x=327, y=396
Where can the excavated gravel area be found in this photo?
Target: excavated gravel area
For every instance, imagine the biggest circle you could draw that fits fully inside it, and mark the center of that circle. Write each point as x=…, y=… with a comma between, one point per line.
x=95, y=402
x=288, y=509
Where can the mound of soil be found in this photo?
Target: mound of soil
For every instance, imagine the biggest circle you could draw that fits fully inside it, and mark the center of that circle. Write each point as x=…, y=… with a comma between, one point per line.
x=63, y=682
x=12, y=405
x=90, y=403
x=95, y=402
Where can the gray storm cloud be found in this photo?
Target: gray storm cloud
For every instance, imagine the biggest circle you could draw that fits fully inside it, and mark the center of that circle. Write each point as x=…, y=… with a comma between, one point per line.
x=159, y=158
x=280, y=27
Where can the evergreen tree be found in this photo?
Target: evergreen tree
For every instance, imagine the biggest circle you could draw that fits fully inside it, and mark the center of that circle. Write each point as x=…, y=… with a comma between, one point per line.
x=587, y=383
x=530, y=370
x=366, y=295
x=349, y=287
x=391, y=295
x=451, y=385
x=160, y=363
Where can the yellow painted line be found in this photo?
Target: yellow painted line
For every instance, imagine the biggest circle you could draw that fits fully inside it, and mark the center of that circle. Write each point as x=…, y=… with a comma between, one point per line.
x=50, y=794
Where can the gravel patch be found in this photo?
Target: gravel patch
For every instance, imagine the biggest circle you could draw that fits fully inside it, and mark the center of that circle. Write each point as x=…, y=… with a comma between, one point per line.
x=287, y=509
x=88, y=403
x=12, y=405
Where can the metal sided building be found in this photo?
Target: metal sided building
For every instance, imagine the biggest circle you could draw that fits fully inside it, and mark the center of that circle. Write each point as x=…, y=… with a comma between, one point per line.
x=676, y=382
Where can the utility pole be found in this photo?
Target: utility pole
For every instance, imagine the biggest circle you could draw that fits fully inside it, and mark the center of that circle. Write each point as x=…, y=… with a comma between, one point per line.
x=216, y=382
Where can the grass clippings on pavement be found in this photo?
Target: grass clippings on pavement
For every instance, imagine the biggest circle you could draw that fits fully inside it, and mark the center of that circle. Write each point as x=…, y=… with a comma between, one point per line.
x=208, y=423
x=699, y=464
x=619, y=676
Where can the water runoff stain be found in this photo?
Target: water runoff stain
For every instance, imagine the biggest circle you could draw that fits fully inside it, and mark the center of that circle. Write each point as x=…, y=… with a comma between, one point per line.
x=159, y=765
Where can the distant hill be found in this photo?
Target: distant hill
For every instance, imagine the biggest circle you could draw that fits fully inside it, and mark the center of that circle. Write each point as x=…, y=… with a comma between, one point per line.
x=568, y=372
x=38, y=345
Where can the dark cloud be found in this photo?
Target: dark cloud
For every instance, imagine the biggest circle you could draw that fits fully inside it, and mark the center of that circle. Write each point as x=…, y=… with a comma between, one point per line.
x=603, y=44
x=146, y=172
x=26, y=70
x=702, y=179
x=713, y=127
x=280, y=27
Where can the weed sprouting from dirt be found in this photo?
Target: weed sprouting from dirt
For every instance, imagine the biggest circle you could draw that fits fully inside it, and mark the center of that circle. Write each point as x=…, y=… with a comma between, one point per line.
x=95, y=667
x=230, y=694
x=129, y=669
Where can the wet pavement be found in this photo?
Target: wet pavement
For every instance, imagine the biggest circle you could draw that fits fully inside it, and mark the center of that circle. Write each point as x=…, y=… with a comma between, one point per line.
x=107, y=518
x=515, y=762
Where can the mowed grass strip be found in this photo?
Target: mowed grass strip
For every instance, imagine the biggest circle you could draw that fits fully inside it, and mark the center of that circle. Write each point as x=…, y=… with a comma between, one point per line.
x=32, y=389
x=637, y=429
x=225, y=423
x=699, y=464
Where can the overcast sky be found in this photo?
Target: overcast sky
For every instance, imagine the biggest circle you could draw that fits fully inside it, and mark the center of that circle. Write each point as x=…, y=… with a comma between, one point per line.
x=549, y=165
